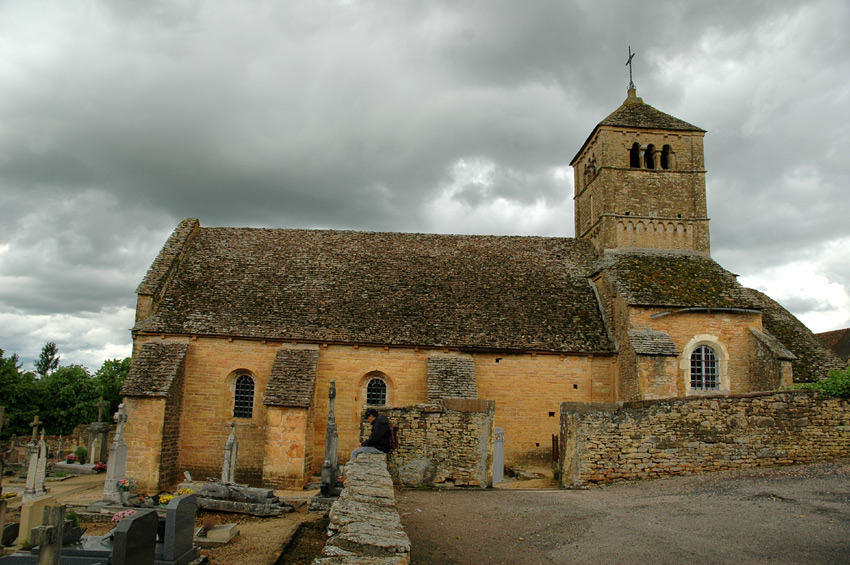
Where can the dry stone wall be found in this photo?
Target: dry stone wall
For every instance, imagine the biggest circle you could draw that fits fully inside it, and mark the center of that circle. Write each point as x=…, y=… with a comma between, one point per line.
x=607, y=442
x=444, y=445
x=364, y=523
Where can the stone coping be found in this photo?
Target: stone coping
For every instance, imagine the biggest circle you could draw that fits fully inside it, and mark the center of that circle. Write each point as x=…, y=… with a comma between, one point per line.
x=364, y=523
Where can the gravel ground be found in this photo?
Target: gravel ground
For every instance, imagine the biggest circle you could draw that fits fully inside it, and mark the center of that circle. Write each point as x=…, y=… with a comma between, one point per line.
x=796, y=514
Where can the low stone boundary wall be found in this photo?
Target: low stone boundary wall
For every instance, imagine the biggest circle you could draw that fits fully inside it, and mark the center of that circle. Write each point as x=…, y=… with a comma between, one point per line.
x=447, y=444
x=635, y=440
x=364, y=523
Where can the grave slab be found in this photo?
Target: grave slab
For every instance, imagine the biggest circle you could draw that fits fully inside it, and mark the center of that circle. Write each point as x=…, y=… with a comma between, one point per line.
x=217, y=536
x=32, y=513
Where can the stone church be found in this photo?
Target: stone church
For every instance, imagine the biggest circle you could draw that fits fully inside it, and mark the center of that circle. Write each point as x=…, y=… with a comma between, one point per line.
x=251, y=325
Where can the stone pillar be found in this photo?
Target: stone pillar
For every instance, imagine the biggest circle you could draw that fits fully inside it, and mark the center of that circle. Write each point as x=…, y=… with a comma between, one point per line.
x=330, y=466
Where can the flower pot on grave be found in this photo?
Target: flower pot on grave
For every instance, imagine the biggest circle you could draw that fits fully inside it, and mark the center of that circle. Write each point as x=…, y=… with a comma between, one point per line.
x=125, y=498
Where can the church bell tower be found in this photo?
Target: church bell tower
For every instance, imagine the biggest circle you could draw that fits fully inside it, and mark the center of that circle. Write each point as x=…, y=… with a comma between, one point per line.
x=640, y=182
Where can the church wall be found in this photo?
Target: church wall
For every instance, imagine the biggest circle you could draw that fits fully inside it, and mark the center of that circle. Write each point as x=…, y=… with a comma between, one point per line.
x=404, y=370
x=528, y=390
x=288, y=450
x=143, y=434
x=732, y=330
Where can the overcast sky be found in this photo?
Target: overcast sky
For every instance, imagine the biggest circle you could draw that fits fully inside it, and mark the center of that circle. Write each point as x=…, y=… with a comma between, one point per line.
x=120, y=118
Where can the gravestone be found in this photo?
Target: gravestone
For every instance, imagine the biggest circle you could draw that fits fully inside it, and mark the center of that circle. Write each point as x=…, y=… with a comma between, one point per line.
x=59, y=448
x=116, y=467
x=177, y=547
x=231, y=450
x=134, y=539
x=48, y=536
x=35, y=474
x=32, y=515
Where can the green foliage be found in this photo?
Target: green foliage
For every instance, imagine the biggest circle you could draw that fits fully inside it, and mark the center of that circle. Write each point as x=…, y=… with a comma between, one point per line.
x=70, y=399
x=20, y=393
x=836, y=385
x=81, y=453
x=48, y=361
x=74, y=518
x=109, y=379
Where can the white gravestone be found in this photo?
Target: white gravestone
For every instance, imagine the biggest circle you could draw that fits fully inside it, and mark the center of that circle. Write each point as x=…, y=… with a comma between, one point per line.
x=35, y=473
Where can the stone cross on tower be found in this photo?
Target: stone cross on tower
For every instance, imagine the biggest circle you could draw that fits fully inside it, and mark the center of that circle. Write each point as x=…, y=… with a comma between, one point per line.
x=629, y=65
x=330, y=467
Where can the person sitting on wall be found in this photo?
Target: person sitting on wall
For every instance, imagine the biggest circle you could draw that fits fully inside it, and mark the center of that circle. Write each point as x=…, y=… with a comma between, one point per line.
x=379, y=440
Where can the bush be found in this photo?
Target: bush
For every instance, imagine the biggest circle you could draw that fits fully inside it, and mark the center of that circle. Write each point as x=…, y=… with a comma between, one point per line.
x=81, y=453
x=836, y=385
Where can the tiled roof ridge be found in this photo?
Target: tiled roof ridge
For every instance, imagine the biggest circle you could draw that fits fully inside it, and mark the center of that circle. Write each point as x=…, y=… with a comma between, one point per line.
x=162, y=268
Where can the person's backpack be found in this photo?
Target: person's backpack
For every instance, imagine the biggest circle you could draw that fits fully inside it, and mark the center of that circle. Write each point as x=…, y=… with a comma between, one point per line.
x=393, y=437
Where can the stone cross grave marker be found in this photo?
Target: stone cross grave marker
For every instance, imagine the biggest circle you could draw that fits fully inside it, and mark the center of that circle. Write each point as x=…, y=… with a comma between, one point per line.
x=231, y=449
x=134, y=541
x=35, y=473
x=59, y=448
x=98, y=437
x=116, y=468
x=330, y=466
x=49, y=535
x=100, y=404
x=32, y=446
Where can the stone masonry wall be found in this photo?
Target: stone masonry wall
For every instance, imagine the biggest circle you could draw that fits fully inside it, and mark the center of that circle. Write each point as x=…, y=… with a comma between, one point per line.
x=607, y=442
x=364, y=523
x=443, y=445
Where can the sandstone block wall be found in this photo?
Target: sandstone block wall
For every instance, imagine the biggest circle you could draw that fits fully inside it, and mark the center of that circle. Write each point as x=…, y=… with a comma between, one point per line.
x=443, y=445
x=608, y=442
x=364, y=523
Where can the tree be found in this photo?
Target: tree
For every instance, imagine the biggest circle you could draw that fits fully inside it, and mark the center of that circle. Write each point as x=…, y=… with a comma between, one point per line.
x=109, y=379
x=70, y=399
x=20, y=393
x=48, y=361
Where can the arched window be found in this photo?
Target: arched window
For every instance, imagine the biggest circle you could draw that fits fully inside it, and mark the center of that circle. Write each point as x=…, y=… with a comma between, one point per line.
x=376, y=392
x=634, y=156
x=649, y=157
x=243, y=400
x=667, y=157
x=704, y=369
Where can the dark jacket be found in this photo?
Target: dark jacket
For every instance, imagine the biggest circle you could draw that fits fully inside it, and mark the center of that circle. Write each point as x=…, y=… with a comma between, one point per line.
x=380, y=437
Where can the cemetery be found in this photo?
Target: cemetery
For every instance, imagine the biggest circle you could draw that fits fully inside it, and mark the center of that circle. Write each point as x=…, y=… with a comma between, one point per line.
x=74, y=500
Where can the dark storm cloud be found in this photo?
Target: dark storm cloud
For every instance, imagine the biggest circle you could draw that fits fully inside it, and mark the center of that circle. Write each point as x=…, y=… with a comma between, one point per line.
x=121, y=118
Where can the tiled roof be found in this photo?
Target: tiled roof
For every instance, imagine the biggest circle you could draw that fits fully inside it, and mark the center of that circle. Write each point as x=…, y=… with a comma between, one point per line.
x=293, y=378
x=633, y=113
x=814, y=359
x=499, y=292
x=651, y=342
x=674, y=279
x=838, y=341
x=154, y=369
x=775, y=346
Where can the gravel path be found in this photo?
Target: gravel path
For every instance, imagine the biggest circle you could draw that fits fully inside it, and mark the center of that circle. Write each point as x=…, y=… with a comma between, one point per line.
x=797, y=514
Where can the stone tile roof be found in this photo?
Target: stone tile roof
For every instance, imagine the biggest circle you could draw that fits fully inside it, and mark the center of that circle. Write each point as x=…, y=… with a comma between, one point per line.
x=674, y=279
x=651, y=342
x=838, y=341
x=774, y=345
x=167, y=258
x=293, y=378
x=154, y=369
x=499, y=292
x=814, y=359
x=634, y=113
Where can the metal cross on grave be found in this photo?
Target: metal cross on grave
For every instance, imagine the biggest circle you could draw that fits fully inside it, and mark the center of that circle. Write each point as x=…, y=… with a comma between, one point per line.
x=100, y=405
x=629, y=65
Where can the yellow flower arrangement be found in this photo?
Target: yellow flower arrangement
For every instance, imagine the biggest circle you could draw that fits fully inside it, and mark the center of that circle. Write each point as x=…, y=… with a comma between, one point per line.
x=165, y=498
